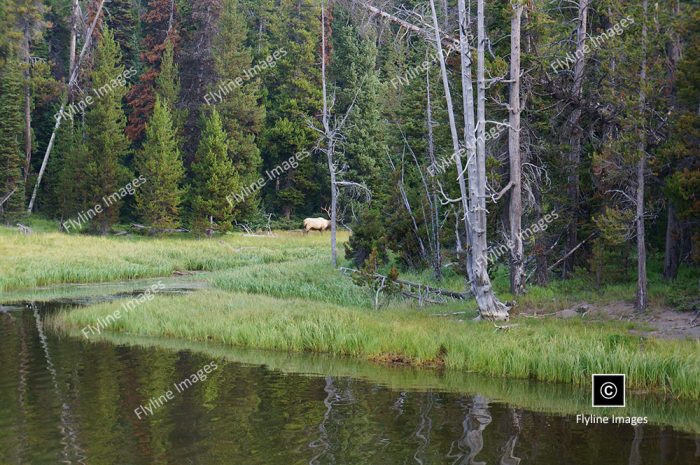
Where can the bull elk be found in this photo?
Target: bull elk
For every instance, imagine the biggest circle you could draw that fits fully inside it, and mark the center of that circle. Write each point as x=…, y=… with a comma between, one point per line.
x=317, y=224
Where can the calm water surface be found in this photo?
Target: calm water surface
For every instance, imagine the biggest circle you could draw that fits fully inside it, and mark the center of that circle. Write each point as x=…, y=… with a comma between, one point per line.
x=67, y=400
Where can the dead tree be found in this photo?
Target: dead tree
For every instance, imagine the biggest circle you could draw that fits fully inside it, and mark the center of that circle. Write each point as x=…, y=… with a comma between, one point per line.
x=473, y=202
x=73, y=77
x=642, y=302
x=515, y=208
x=573, y=131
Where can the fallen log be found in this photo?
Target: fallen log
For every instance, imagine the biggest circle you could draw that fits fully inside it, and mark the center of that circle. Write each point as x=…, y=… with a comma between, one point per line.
x=415, y=290
x=26, y=230
x=152, y=230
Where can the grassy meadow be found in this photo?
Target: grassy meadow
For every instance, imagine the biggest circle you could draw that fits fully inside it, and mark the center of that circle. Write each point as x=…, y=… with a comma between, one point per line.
x=281, y=293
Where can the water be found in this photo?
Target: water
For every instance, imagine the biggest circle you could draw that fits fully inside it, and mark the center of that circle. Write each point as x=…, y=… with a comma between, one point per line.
x=67, y=400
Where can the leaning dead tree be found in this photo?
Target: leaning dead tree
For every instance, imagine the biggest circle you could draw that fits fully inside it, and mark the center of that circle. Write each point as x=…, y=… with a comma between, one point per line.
x=73, y=78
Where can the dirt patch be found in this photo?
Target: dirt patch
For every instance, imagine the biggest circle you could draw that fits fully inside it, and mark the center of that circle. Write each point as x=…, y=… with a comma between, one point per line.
x=657, y=322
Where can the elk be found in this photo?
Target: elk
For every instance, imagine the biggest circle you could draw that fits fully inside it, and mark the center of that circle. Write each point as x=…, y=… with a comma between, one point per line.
x=317, y=224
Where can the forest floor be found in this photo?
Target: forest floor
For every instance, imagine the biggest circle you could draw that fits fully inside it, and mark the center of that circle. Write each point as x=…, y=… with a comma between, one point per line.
x=281, y=293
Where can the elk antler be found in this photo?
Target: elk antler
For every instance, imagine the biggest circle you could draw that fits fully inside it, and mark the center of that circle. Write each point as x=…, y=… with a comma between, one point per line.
x=327, y=210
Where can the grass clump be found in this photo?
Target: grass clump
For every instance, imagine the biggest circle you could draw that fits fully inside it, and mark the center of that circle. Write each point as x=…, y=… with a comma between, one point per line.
x=48, y=258
x=558, y=351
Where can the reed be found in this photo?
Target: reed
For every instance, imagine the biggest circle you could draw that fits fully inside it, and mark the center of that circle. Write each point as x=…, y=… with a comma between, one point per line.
x=548, y=350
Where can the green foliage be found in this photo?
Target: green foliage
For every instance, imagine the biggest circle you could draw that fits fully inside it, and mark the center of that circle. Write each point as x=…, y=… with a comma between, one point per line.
x=214, y=178
x=167, y=86
x=368, y=235
x=159, y=162
x=241, y=113
x=104, y=133
x=11, y=160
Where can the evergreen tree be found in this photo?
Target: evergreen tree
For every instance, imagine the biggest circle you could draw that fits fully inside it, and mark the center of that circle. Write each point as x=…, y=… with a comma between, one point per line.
x=68, y=168
x=240, y=111
x=159, y=162
x=214, y=179
x=104, y=126
x=121, y=19
x=356, y=76
x=11, y=160
x=294, y=95
x=167, y=87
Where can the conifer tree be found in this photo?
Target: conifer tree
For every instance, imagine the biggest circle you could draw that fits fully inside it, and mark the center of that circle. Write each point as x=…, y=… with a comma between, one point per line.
x=214, y=179
x=240, y=111
x=104, y=126
x=167, y=85
x=11, y=161
x=68, y=168
x=159, y=162
x=294, y=96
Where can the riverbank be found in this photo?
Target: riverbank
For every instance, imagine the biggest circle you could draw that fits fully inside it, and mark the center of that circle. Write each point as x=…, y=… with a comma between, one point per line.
x=547, y=350
x=281, y=293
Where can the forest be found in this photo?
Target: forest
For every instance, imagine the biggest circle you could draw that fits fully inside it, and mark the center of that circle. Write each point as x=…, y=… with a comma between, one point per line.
x=349, y=231
x=570, y=143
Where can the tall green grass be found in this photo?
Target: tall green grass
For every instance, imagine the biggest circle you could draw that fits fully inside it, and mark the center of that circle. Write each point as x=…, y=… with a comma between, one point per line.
x=559, y=351
x=43, y=259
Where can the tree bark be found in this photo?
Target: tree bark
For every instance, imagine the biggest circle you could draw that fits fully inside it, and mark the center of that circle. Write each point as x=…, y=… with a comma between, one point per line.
x=642, y=300
x=490, y=307
x=515, y=210
x=572, y=128
x=329, y=138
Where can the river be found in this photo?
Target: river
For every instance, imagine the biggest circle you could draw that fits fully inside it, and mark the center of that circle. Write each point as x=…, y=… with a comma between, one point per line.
x=65, y=399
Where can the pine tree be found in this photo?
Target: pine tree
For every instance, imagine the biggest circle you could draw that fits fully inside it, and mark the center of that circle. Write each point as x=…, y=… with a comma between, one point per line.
x=294, y=96
x=122, y=19
x=356, y=75
x=214, y=179
x=167, y=84
x=11, y=160
x=240, y=111
x=159, y=162
x=104, y=126
x=68, y=168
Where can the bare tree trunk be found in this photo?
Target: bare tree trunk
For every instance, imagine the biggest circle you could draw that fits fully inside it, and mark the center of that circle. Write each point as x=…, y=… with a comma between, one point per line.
x=452, y=122
x=489, y=306
x=641, y=246
x=71, y=82
x=73, y=37
x=27, y=106
x=672, y=247
x=515, y=209
x=329, y=138
x=432, y=194
x=572, y=128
